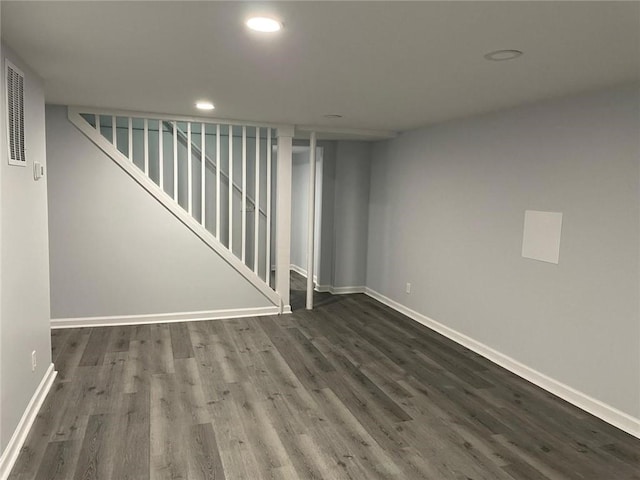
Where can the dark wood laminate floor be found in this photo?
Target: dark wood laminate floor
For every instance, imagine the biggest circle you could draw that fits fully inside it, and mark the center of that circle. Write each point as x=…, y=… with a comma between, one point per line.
x=352, y=390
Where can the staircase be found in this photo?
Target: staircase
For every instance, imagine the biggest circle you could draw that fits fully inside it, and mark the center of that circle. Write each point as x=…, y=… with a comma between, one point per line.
x=216, y=178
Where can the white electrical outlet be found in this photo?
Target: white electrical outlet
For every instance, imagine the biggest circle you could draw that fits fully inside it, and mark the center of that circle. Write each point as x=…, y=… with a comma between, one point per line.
x=408, y=289
x=34, y=361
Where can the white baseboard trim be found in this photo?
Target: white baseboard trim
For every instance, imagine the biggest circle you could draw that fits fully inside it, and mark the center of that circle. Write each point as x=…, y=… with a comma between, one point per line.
x=162, y=317
x=301, y=271
x=328, y=288
x=10, y=454
x=323, y=288
x=341, y=290
x=605, y=412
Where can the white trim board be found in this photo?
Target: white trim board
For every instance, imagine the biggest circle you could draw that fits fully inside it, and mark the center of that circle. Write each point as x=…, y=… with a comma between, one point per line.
x=10, y=454
x=162, y=317
x=328, y=288
x=340, y=290
x=177, y=118
x=605, y=412
x=302, y=271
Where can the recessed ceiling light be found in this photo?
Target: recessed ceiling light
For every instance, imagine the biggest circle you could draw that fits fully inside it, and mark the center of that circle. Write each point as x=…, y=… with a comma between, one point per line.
x=333, y=115
x=204, y=105
x=264, y=24
x=499, y=55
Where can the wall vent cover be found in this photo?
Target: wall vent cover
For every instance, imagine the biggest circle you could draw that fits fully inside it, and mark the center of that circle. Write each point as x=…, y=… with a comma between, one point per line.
x=15, y=114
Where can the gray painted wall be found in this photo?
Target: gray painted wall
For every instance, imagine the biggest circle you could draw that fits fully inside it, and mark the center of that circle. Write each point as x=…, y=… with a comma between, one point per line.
x=299, y=197
x=343, y=215
x=24, y=265
x=115, y=250
x=300, y=208
x=446, y=214
x=351, y=213
x=325, y=267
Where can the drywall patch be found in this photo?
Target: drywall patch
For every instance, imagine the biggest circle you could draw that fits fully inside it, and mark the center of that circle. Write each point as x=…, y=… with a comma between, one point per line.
x=541, y=237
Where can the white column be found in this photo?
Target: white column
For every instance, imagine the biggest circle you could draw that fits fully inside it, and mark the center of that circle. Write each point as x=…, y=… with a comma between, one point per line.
x=218, y=160
x=175, y=161
x=146, y=146
x=203, y=172
x=161, y=153
x=311, y=219
x=283, y=215
x=256, y=206
x=268, y=211
x=231, y=188
x=244, y=196
x=189, y=171
x=130, y=140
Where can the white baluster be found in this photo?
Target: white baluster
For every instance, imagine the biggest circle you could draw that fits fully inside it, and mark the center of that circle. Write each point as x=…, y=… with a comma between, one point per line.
x=231, y=187
x=203, y=171
x=256, y=206
x=130, y=139
x=146, y=146
x=189, y=171
x=218, y=181
x=161, y=154
x=175, y=161
x=244, y=194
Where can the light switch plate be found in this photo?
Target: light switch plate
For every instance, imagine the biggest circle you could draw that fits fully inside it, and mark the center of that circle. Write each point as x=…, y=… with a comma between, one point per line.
x=38, y=170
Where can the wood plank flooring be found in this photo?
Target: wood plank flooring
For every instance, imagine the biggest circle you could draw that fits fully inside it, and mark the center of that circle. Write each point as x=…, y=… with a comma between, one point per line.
x=352, y=390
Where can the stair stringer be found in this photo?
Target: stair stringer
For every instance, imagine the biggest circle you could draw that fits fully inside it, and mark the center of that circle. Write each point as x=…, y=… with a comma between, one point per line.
x=172, y=206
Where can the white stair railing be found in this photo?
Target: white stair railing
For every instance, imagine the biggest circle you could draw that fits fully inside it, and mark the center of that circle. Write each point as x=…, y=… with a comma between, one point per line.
x=219, y=174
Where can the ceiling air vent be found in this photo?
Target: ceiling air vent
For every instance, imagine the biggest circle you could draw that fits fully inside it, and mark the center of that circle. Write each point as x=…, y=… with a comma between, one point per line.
x=15, y=114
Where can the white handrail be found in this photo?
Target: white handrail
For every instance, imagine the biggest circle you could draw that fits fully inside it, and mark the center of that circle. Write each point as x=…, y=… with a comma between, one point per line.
x=173, y=118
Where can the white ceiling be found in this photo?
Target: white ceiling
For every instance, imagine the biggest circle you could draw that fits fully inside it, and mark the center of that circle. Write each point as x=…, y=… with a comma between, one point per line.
x=385, y=66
